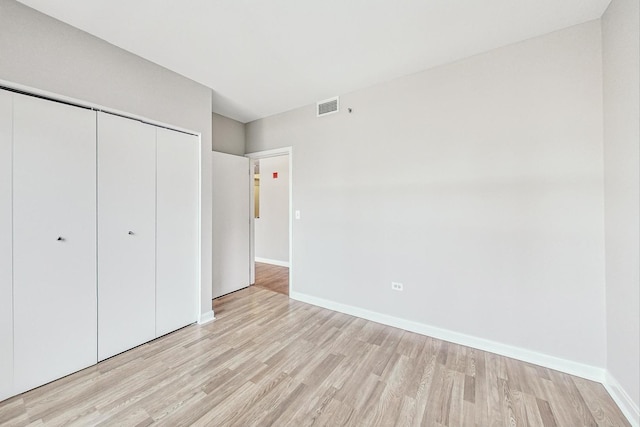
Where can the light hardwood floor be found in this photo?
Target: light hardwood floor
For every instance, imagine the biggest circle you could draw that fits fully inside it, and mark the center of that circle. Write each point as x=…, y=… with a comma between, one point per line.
x=272, y=277
x=269, y=360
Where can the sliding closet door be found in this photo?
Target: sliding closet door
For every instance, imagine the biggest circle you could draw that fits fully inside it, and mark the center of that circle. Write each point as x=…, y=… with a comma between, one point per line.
x=54, y=240
x=126, y=234
x=6, y=281
x=177, y=283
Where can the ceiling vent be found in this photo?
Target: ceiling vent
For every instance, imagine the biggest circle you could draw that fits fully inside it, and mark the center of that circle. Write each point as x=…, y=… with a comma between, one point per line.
x=328, y=106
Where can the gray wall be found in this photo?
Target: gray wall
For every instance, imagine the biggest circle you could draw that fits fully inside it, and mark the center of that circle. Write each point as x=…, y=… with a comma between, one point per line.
x=228, y=135
x=476, y=184
x=621, y=47
x=46, y=54
x=272, y=228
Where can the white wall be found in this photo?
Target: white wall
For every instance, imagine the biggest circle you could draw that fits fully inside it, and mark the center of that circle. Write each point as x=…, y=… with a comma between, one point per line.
x=272, y=228
x=621, y=46
x=477, y=184
x=41, y=52
x=228, y=135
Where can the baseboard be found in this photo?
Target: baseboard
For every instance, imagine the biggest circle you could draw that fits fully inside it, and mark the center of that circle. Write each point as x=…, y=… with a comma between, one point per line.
x=578, y=369
x=622, y=399
x=206, y=317
x=272, y=261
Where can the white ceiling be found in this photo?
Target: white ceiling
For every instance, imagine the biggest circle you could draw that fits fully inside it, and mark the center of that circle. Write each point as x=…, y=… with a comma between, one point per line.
x=264, y=57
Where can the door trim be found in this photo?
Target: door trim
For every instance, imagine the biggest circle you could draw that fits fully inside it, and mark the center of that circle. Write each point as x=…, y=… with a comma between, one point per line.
x=284, y=151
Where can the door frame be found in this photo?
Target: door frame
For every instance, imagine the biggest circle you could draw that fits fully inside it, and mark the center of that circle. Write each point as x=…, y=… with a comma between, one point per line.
x=276, y=152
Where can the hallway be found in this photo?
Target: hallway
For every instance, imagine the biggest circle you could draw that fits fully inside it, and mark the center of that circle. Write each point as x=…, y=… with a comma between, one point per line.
x=272, y=277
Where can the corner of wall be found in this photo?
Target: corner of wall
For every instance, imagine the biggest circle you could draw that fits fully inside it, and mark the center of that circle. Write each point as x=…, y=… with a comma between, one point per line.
x=206, y=317
x=620, y=25
x=622, y=399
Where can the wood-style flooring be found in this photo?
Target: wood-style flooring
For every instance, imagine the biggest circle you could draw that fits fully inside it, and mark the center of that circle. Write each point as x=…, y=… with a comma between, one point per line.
x=272, y=277
x=268, y=360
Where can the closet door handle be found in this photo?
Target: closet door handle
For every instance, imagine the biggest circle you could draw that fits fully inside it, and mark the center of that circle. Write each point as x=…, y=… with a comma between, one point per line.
x=130, y=233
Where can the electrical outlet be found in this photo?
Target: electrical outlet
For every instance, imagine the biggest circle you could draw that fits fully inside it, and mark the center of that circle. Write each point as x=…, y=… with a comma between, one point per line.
x=396, y=286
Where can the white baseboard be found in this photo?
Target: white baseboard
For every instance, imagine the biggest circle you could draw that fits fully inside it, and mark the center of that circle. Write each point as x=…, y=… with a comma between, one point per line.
x=272, y=261
x=574, y=368
x=622, y=399
x=206, y=317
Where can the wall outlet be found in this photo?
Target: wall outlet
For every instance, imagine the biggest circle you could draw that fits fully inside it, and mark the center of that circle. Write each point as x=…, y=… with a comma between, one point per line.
x=396, y=286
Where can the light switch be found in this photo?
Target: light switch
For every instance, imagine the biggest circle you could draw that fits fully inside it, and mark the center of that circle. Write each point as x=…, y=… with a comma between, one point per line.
x=297, y=214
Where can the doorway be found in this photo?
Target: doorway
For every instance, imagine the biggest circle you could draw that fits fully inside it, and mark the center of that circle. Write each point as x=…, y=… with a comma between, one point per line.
x=272, y=277
x=271, y=220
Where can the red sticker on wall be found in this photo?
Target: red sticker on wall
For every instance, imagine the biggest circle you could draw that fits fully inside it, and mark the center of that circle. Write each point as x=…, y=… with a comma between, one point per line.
x=275, y=175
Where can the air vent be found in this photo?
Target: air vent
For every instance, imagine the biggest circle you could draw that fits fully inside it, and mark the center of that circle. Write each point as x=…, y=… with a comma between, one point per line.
x=328, y=106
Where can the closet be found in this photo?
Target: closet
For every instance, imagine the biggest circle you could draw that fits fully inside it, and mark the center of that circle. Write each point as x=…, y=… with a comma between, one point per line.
x=148, y=184
x=177, y=230
x=126, y=233
x=6, y=230
x=99, y=237
x=54, y=240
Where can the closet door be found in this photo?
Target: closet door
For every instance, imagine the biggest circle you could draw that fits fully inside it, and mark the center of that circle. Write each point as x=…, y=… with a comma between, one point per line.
x=6, y=281
x=126, y=234
x=54, y=240
x=177, y=230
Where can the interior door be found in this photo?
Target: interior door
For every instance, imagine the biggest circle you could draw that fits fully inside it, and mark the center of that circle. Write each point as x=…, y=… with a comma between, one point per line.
x=177, y=230
x=6, y=281
x=54, y=240
x=126, y=234
x=231, y=223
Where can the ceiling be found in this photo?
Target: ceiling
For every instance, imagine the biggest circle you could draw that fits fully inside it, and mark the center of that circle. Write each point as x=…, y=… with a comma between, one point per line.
x=265, y=57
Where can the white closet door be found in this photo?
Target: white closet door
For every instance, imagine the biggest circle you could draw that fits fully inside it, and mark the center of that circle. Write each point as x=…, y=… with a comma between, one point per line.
x=126, y=234
x=177, y=230
x=231, y=223
x=6, y=281
x=54, y=236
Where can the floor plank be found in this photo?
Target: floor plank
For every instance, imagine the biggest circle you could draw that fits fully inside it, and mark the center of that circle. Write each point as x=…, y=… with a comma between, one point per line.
x=272, y=277
x=268, y=360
